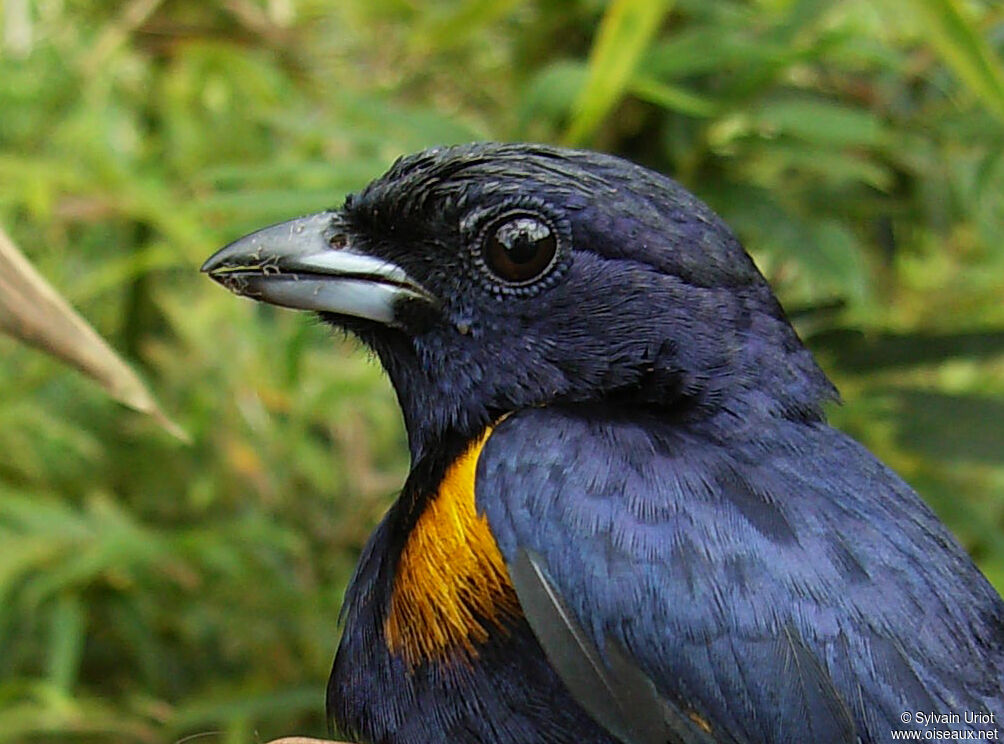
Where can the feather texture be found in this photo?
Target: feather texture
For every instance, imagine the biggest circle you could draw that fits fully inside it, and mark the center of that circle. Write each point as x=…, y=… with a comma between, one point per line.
x=781, y=582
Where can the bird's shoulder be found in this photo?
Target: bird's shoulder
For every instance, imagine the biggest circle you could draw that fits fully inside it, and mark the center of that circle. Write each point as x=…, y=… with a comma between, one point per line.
x=696, y=546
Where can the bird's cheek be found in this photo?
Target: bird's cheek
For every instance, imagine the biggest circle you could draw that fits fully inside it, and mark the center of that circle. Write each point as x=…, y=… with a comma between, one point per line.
x=416, y=318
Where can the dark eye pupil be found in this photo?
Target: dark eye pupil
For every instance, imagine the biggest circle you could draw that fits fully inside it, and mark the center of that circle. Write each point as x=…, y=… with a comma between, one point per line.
x=521, y=239
x=520, y=249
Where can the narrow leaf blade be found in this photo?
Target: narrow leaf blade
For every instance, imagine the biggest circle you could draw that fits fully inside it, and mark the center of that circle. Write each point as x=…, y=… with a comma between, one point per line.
x=625, y=33
x=964, y=50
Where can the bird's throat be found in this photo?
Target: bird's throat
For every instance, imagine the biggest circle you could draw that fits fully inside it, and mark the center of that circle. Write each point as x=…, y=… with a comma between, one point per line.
x=451, y=588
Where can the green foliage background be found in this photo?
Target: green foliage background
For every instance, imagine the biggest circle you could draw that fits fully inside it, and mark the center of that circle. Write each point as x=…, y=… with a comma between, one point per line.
x=151, y=590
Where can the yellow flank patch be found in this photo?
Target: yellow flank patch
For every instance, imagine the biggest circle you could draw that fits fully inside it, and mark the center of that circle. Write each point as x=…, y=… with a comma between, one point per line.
x=451, y=579
x=701, y=722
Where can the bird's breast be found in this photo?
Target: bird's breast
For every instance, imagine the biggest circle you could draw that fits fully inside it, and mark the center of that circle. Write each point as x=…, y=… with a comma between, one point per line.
x=451, y=588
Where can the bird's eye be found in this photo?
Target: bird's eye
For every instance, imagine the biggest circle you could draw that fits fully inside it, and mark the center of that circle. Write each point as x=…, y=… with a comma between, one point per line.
x=519, y=248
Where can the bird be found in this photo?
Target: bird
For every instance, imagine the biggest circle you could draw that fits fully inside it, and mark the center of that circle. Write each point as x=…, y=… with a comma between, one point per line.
x=627, y=520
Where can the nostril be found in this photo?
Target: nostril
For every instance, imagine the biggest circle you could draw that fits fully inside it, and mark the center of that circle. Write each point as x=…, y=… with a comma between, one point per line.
x=338, y=241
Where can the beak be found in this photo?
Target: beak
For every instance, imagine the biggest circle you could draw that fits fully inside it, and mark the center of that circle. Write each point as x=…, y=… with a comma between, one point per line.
x=309, y=264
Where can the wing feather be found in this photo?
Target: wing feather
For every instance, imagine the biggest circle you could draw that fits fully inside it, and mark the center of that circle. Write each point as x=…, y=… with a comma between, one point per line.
x=695, y=586
x=615, y=692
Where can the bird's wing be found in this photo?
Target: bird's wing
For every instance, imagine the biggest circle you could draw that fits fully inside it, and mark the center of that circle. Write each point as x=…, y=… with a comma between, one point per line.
x=689, y=590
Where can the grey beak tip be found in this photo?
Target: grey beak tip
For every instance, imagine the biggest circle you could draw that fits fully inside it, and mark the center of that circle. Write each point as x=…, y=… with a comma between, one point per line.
x=221, y=259
x=302, y=235
x=297, y=264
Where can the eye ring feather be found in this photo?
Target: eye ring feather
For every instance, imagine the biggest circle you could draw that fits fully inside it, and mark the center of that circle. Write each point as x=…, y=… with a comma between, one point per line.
x=519, y=246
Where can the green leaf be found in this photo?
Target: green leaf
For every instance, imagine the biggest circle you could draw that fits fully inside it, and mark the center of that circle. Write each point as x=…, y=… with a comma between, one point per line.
x=964, y=50
x=625, y=32
x=822, y=122
x=867, y=350
x=550, y=95
x=704, y=50
x=672, y=97
x=959, y=428
x=67, y=641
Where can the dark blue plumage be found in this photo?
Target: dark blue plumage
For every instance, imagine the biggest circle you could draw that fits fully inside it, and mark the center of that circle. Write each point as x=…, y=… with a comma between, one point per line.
x=509, y=695
x=697, y=547
x=697, y=556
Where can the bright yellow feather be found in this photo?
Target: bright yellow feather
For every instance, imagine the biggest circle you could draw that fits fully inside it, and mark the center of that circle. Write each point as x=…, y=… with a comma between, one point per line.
x=451, y=584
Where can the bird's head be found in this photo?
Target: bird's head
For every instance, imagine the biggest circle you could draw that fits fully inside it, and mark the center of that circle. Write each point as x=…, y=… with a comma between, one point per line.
x=494, y=277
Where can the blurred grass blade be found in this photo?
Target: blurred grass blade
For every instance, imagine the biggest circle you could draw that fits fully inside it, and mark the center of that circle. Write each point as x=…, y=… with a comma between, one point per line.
x=822, y=122
x=32, y=311
x=66, y=642
x=624, y=34
x=672, y=97
x=860, y=351
x=964, y=49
